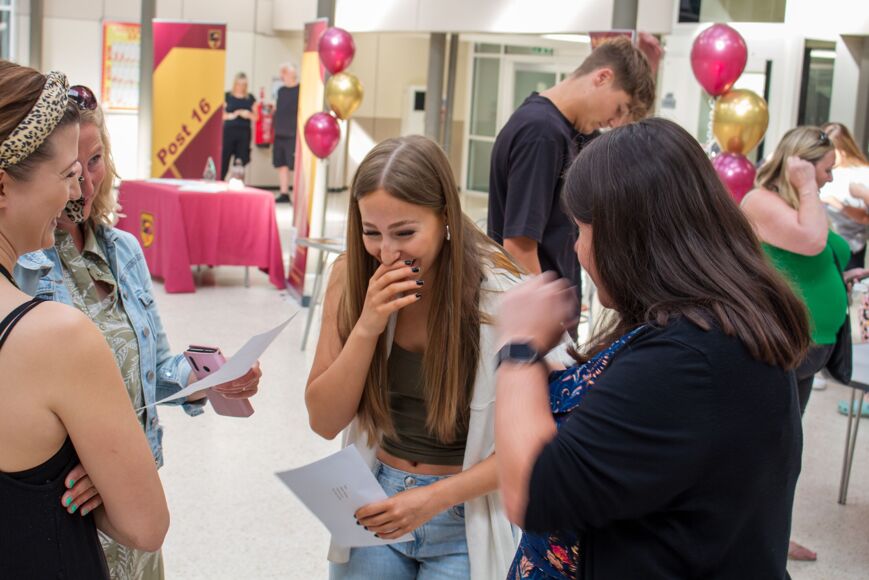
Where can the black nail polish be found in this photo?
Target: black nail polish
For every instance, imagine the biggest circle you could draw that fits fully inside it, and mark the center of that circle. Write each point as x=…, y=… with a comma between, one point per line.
x=418, y=295
x=366, y=528
x=420, y=282
x=409, y=262
x=376, y=536
x=357, y=523
x=415, y=270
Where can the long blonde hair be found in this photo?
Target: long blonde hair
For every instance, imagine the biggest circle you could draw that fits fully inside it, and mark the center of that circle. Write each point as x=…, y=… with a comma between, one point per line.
x=414, y=169
x=105, y=209
x=848, y=153
x=808, y=143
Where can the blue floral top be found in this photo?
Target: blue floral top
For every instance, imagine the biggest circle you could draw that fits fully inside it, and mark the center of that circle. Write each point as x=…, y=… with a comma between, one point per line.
x=556, y=555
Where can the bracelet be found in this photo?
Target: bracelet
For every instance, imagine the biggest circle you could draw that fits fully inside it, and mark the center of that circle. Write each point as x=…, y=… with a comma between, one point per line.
x=806, y=194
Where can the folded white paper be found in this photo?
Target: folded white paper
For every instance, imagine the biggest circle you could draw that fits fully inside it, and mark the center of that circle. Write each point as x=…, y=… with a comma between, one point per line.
x=234, y=368
x=334, y=488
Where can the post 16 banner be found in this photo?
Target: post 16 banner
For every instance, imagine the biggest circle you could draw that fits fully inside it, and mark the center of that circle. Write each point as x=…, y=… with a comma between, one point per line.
x=189, y=68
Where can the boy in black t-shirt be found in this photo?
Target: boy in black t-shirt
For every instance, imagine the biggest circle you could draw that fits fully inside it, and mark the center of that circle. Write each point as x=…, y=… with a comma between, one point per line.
x=614, y=85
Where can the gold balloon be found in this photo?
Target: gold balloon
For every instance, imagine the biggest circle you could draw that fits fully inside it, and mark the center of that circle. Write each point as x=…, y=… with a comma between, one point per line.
x=739, y=121
x=344, y=94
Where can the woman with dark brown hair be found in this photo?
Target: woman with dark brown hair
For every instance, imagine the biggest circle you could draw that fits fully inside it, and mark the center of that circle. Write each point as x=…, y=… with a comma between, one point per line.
x=682, y=458
x=404, y=367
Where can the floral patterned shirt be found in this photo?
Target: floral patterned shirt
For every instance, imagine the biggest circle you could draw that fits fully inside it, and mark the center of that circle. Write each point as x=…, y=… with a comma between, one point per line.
x=82, y=271
x=556, y=556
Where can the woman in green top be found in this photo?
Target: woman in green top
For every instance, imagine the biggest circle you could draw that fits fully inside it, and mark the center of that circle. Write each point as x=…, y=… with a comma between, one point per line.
x=790, y=220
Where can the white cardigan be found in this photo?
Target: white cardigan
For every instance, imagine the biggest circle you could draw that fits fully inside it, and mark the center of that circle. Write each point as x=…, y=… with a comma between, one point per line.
x=492, y=540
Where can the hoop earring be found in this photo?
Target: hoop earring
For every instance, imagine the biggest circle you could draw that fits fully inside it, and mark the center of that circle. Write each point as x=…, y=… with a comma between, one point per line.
x=448, y=233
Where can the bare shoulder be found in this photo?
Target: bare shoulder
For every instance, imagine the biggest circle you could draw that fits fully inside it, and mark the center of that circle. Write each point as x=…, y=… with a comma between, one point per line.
x=759, y=201
x=335, y=287
x=339, y=270
x=57, y=330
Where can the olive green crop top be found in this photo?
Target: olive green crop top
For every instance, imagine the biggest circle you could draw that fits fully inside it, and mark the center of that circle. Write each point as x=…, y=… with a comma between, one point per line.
x=407, y=407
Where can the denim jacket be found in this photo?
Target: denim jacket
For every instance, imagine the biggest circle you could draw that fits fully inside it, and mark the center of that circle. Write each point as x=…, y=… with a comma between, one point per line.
x=163, y=374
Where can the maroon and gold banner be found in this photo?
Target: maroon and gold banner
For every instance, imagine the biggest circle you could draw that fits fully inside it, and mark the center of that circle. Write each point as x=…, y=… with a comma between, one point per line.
x=308, y=209
x=189, y=68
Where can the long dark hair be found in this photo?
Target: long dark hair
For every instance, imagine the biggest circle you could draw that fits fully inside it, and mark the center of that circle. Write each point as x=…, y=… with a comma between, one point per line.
x=668, y=241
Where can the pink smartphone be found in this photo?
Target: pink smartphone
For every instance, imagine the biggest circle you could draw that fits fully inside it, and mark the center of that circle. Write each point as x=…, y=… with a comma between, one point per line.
x=205, y=360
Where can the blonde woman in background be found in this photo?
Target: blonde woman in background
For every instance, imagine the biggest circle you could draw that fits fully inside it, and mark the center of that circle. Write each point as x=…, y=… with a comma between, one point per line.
x=789, y=218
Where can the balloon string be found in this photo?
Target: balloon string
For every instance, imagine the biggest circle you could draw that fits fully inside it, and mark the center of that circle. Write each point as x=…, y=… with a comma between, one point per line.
x=710, y=136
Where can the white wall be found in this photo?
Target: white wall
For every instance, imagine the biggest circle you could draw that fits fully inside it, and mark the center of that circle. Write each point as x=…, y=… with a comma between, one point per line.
x=479, y=16
x=828, y=18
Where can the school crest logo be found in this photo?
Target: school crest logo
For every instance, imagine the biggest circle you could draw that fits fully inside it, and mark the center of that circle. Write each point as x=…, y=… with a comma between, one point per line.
x=215, y=38
x=146, y=232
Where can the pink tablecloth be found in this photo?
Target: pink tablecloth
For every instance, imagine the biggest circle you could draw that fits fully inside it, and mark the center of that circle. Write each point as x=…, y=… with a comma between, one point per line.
x=179, y=229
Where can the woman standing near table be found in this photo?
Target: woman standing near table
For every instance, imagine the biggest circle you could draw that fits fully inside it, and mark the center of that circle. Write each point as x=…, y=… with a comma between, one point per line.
x=102, y=272
x=238, y=116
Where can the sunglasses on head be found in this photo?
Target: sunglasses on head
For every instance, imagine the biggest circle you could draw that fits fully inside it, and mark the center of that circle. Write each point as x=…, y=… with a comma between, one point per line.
x=83, y=97
x=823, y=139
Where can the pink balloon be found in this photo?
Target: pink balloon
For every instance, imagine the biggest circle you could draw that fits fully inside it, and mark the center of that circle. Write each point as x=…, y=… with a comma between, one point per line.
x=718, y=57
x=322, y=134
x=336, y=49
x=736, y=172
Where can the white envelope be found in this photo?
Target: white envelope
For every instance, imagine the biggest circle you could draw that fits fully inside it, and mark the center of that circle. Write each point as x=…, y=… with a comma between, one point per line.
x=334, y=488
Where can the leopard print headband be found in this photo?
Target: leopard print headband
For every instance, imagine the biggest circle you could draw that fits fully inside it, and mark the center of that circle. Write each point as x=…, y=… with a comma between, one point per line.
x=39, y=122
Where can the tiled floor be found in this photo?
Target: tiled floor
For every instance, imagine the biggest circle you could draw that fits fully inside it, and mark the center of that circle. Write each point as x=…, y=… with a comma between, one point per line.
x=232, y=519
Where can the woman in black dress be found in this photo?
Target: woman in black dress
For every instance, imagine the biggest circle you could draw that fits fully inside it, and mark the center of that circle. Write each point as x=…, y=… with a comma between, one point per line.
x=47, y=352
x=237, y=120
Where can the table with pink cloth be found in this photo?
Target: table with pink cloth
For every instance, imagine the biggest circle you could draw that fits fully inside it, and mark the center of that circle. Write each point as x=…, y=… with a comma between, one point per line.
x=179, y=229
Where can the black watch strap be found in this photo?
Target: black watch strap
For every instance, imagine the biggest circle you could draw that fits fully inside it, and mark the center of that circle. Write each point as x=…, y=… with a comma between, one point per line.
x=519, y=353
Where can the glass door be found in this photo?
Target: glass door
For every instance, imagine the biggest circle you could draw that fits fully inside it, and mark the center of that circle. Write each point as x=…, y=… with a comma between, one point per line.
x=817, y=83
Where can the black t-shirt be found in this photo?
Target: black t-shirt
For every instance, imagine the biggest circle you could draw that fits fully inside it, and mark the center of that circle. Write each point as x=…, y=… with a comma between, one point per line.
x=286, y=111
x=681, y=462
x=235, y=104
x=530, y=156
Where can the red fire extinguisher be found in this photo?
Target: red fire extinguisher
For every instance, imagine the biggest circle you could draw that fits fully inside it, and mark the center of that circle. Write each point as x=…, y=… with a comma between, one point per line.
x=264, y=131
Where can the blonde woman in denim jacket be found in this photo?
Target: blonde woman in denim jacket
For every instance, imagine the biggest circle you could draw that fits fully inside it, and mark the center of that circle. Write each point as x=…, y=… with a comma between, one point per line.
x=102, y=271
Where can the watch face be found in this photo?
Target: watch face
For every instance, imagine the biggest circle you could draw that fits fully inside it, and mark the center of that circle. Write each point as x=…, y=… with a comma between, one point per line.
x=522, y=352
x=518, y=352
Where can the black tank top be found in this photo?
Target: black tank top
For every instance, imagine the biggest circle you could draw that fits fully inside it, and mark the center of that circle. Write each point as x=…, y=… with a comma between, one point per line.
x=38, y=538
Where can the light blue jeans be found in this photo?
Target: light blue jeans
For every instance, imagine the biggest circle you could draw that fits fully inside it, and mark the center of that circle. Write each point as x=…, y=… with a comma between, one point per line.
x=439, y=550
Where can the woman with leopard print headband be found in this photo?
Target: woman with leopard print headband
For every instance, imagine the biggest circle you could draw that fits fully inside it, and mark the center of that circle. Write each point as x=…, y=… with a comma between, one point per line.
x=101, y=271
x=48, y=351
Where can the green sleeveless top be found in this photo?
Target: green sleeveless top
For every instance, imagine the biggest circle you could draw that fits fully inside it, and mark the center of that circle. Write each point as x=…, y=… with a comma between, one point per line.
x=818, y=281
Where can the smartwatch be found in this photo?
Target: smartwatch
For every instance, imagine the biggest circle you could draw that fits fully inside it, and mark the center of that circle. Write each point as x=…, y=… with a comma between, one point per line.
x=520, y=353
